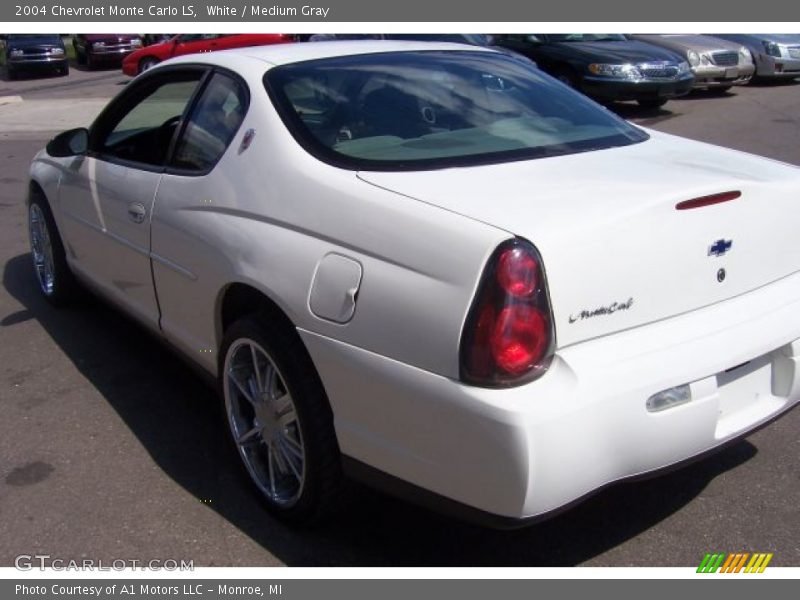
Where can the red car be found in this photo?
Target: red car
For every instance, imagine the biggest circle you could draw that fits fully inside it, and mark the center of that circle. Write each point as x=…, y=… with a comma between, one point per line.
x=143, y=59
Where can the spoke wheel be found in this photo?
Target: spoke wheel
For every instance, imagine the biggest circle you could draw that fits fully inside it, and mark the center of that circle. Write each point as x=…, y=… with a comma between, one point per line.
x=41, y=250
x=53, y=274
x=279, y=420
x=263, y=421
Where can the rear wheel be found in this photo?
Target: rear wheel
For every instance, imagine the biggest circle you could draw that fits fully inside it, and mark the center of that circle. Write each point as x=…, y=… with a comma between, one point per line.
x=279, y=419
x=652, y=102
x=53, y=274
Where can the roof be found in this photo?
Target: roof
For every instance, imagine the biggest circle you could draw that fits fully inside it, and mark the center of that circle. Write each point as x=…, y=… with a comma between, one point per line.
x=280, y=54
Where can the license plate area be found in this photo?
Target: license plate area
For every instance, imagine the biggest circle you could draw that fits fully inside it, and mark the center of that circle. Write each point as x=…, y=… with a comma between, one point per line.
x=745, y=395
x=731, y=73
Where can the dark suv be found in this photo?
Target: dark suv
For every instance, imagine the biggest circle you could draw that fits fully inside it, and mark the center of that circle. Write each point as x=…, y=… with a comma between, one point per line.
x=28, y=52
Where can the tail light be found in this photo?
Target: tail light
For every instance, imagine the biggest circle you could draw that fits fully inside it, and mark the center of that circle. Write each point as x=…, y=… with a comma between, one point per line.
x=508, y=337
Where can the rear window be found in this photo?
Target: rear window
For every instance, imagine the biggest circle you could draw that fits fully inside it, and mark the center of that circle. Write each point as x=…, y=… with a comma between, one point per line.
x=431, y=109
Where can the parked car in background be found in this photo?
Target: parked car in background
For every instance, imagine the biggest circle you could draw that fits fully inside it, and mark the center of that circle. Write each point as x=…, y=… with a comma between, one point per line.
x=455, y=38
x=35, y=52
x=717, y=64
x=607, y=67
x=776, y=55
x=431, y=267
x=190, y=43
x=104, y=49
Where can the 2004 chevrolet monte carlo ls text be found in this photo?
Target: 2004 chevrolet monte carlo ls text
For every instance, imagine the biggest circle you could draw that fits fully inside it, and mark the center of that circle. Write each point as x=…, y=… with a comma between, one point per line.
x=431, y=267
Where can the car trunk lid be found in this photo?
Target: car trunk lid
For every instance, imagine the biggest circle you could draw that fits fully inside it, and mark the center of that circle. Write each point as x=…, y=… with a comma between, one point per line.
x=617, y=252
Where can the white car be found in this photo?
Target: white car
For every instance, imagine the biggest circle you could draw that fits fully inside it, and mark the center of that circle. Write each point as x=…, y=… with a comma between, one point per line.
x=433, y=268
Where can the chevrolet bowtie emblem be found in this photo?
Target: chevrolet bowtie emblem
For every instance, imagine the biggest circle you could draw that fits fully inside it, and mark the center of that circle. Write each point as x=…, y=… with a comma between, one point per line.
x=720, y=247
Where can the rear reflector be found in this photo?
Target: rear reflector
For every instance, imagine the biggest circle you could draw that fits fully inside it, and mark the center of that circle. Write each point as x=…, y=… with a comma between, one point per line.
x=707, y=200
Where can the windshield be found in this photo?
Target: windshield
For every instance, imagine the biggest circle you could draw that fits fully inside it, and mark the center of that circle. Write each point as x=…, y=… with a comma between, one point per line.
x=586, y=37
x=39, y=37
x=429, y=109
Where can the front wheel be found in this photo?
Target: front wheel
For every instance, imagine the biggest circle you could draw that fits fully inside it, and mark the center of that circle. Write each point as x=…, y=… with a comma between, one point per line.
x=279, y=419
x=652, y=102
x=147, y=63
x=55, y=279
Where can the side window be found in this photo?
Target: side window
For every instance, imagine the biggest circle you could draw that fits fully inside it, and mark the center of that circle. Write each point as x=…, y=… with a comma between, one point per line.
x=212, y=124
x=142, y=132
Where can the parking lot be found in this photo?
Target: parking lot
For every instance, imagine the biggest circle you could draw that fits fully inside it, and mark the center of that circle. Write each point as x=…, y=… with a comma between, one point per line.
x=110, y=447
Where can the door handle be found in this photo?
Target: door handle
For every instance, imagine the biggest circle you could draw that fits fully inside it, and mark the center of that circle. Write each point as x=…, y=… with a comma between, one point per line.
x=137, y=212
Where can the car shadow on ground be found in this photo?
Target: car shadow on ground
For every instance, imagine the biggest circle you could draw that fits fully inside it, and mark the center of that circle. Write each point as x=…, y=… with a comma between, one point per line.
x=765, y=82
x=632, y=111
x=176, y=419
x=32, y=74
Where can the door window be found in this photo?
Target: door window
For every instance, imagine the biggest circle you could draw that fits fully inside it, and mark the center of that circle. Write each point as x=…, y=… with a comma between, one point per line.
x=142, y=128
x=212, y=124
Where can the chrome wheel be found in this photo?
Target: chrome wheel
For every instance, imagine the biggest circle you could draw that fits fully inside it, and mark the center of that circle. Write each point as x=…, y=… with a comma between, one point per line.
x=41, y=249
x=264, y=423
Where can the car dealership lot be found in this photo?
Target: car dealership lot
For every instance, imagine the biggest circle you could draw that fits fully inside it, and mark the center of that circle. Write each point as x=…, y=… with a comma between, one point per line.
x=111, y=448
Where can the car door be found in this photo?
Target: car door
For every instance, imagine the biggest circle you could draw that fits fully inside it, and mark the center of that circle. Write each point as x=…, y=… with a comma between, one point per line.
x=187, y=219
x=106, y=197
x=194, y=43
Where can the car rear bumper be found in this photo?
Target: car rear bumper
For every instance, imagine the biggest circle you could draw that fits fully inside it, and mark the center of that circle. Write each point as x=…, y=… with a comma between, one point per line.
x=524, y=452
x=612, y=89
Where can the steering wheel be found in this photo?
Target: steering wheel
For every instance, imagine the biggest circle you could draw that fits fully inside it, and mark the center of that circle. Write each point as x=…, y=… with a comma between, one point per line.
x=165, y=132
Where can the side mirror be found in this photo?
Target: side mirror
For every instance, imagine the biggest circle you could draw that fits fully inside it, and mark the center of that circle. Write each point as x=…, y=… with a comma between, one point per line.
x=533, y=39
x=74, y=142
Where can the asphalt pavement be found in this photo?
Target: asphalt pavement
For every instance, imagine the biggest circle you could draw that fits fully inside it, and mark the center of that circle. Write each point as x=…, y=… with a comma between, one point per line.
x=110, y=447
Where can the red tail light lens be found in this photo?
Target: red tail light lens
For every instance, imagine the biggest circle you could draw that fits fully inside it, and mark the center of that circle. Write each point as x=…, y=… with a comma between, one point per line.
x=508, y=336
x=516, y=272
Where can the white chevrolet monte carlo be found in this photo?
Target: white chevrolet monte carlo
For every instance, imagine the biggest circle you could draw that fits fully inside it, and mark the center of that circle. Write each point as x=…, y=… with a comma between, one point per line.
x=432, y=268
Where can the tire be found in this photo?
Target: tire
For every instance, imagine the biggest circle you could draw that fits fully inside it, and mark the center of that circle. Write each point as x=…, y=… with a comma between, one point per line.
x=147, y=63
x=64, y=71
x=80, y=57
x=91, y=61
x=652, y=102
x=11, y=73
x=286, y=440
x=56, y=281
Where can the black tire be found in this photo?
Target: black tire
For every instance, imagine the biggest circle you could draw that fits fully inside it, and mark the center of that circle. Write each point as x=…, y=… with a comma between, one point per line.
x=320, y=491
x=80, y=57
x=652, y=102
x=62, y=288
x=64, y=71
x=147, y=62
x=11, y=73
x=91, y=61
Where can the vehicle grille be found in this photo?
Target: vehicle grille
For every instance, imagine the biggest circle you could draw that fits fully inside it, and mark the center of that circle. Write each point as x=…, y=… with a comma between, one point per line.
x=36, y=50
x=660, y=72
x=725, y=59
